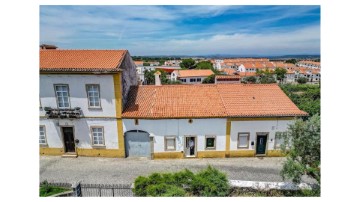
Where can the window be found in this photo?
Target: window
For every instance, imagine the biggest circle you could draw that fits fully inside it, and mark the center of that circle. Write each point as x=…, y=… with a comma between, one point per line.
x=98, y=136
x=170, y=143
x=243, y=140
x=278, y=140
x=210, y=142
x=192, y=80
x=93, y=93
x=198, y=79
x=42, y=137
x=136, y=121
x=62, y=96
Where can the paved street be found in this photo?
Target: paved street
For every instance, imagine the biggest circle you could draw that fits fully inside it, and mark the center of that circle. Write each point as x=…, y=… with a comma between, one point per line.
x=116, y=171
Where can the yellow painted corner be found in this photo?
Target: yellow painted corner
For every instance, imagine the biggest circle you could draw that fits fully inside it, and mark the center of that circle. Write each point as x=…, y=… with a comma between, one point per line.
x=118, y=94
x=121, y=140
x=228, y=130
x=275, y=153
x=168, y=155
x=211, y=154
x=242, y=153
x=51, y=151
x=99, y=152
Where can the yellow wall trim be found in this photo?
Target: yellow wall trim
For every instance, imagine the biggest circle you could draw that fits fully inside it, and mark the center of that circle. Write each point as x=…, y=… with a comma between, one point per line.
x=228, y=130
x=118, y=105
x=242, y=153
x=168, y=155
x=99, y=152
x=275, y=153
x=261, y=119
x=211, y=154
x=51, y=151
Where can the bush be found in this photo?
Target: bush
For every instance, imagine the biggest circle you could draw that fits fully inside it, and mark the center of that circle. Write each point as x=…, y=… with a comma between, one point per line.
x=302, y=80
x=208, y=182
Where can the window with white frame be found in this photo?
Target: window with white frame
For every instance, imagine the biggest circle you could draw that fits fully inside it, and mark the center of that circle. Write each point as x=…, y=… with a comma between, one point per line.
x=243, y=140
x=170, y=143
x=42, y=137
x=198, y=79
x=278, y=140
x=62, y=96
x=192, y=80
x=210, y=142
x=93, y=93
x=98, y=136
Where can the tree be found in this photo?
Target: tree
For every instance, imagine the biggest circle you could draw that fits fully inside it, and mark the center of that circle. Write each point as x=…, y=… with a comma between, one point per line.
x=302, y=147
x=187, y=63
x=161, y=62
x=280, y=73
x=209, y=79
x=302, y=80
x=294, y=61
x=204, y=65
x=250, y=79
x=150, y=77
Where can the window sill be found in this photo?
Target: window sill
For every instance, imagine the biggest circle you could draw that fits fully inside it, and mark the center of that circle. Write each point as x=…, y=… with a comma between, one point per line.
x=170, y=150
x=99, y=146
x=243, y=147
x=44, y=145
x=94, y=108
x=210, y=148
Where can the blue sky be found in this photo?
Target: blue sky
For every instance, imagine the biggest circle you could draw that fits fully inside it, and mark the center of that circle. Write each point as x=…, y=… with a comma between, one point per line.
x=184, y=30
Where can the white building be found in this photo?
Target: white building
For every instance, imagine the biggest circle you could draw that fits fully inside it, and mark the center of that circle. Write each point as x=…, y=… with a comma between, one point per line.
x=221, y=120
x=193, y=76
x=81, y=98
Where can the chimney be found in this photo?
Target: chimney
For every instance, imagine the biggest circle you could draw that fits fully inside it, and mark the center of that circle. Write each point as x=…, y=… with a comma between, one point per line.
x=157, y=78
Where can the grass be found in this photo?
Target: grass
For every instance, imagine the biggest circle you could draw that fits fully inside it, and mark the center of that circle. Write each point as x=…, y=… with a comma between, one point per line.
x=47, y=190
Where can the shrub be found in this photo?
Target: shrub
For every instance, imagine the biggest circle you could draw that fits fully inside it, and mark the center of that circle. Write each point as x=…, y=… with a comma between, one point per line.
x=302, y=80
x=208, y=182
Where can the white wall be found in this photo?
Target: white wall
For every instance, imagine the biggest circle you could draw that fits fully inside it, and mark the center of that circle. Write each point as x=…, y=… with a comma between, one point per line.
x=78, y=94
x=270, y=126
x=180, y=128
x=81, y=131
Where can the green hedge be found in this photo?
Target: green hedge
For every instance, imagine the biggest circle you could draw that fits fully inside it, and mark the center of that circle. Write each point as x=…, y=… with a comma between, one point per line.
x=208, y=182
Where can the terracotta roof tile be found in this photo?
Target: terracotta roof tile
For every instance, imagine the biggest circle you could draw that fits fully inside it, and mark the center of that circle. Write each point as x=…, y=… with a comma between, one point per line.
x=81, y=60
x=228, y=77
x=228, y=71
x=194, y=72
x=214, y=100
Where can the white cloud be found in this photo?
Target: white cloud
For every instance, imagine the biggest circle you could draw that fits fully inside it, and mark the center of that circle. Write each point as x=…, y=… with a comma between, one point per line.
x=305, y=40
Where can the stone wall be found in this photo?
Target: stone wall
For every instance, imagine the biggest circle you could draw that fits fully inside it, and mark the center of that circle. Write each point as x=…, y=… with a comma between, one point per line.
x=129, y=77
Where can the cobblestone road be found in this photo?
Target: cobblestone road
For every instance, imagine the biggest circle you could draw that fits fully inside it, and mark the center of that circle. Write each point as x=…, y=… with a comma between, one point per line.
x=116, y=171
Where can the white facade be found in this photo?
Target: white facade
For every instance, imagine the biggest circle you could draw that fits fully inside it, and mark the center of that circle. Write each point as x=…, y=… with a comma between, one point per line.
x=82, y=131
x=77, y=93
x=180, y=128
x=103, y=116
x=253, y=127
x=192, y=80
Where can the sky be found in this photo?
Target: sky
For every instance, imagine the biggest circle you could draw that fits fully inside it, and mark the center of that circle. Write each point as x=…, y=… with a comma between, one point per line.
x=184, y=30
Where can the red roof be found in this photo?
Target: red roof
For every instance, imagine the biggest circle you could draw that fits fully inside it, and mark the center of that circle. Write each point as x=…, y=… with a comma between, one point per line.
x=81, y=60
x=194, y=72
x=210, y=100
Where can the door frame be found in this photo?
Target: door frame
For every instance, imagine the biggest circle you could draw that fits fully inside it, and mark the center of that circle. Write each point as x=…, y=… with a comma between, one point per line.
x=63, y=140
x=266, y=146
x=195, y=144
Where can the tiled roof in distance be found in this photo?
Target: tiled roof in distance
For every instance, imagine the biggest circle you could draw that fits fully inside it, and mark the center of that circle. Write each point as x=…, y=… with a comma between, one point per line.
x=81, y=60
x=195, y=72
x=209, y=101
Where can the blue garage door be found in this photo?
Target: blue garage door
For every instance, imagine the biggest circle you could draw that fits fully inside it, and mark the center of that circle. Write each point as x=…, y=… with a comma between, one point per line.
x=137, y=144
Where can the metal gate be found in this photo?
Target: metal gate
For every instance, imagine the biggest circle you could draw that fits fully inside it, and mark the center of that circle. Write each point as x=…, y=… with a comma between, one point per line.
x=137, y=144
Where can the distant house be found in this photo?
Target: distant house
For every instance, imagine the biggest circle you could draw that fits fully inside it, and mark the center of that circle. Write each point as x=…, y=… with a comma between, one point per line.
x=309, y=64
x=193, y=76
x=227, y=79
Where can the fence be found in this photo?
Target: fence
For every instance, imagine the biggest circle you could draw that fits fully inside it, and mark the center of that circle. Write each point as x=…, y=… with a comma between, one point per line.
x=96, y=190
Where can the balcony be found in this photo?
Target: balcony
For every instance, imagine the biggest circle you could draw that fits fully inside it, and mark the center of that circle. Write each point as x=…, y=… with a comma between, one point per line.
x=52, y=113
